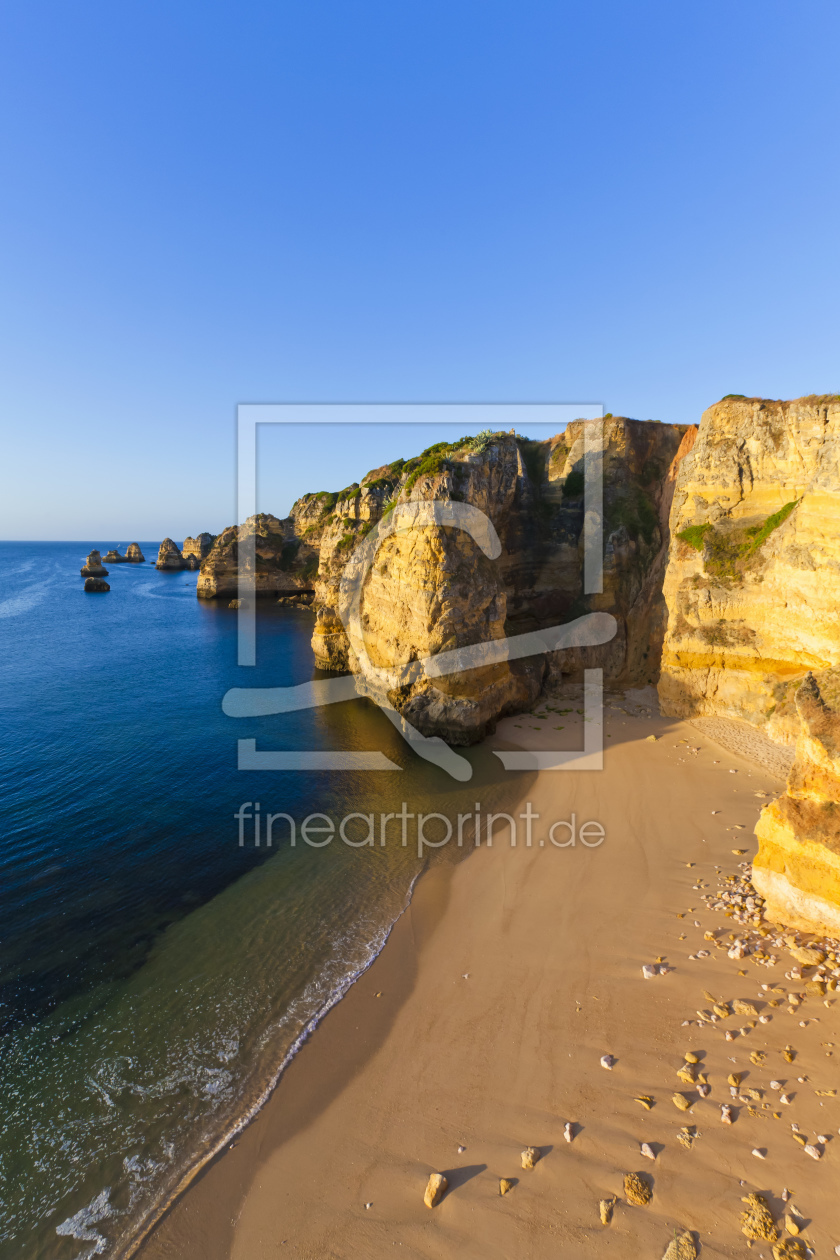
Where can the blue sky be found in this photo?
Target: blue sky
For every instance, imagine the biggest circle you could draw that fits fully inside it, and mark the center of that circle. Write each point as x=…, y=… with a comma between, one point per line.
x=206, y=204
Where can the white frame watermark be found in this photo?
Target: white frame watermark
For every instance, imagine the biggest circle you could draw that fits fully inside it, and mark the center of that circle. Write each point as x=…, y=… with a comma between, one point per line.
x=375, y=682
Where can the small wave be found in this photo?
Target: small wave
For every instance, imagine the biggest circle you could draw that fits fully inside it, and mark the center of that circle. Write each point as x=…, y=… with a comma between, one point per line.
x=79, y=1226
x=22, y=603
x=127, y=1246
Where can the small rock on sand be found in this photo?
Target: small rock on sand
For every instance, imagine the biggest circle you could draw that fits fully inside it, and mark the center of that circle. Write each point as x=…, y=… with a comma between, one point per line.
x=790, y=1249
x=608, y=1062
x=647, y=1150
x=681, y=1102
x=681, y=1247
x=636, y=1190
x=605, y=1210
x=530, y=1156
x=757, y=1220
x=436, y=1188
x=505, y=1185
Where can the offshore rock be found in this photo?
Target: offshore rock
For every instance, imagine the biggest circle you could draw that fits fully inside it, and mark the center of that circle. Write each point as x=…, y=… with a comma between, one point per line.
x=96, y=584
x=93, y=566
x=169, y=556
x=797, y=867
x=114, y=557
x=753, y=578
x=133, y=554
x=199, y=547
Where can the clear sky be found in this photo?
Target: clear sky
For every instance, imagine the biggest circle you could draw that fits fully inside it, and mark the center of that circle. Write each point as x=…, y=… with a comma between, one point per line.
x=407, y=200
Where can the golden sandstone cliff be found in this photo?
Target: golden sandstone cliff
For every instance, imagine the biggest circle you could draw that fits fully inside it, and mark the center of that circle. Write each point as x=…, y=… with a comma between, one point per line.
x=797, y=868
x=721, y=568
x=432, y=589
x=753, y=577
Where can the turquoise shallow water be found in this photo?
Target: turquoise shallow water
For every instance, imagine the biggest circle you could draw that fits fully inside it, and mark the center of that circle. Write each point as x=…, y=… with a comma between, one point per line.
x=154, y=975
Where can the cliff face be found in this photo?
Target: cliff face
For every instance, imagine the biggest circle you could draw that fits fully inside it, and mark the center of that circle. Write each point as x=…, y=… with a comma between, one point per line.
x=286, y=558
x=752, y=583
x=198, y=547
x=797, y=868
x=432, y=589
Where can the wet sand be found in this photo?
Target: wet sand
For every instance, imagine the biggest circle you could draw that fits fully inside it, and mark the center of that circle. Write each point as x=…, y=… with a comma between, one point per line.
x=482, y=1023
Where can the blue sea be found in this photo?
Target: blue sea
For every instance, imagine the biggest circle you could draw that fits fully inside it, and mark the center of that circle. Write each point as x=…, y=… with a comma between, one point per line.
x=155, y=975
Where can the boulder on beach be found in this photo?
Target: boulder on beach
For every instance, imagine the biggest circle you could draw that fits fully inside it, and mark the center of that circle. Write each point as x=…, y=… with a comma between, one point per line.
x=436, y=1188
x=637, y=1190
x=93, y=566
x=681, y=1247
x=94, y=584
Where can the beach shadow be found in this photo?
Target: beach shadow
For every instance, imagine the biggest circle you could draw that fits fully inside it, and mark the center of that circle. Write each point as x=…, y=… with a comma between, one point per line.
x=458, y=1177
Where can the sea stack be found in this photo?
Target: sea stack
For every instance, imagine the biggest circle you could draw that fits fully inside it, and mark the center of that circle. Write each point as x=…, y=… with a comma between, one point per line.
x=93, y=566
x=198, y=547
x=169, y=556
x=133, y=554
x=96, y=584
x=114, y=557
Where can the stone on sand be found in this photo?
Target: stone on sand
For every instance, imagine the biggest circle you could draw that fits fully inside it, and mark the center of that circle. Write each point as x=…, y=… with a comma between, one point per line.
x=530, y=1156
x=605, y=1210
x=790, y=1249
x=436, y=1188
x=505, y=1185
x=757, y=1220
x=681, y=1247
x=636, y=1190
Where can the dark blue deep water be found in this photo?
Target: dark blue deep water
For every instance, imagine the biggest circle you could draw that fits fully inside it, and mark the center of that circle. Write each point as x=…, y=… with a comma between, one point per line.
x=154, y=975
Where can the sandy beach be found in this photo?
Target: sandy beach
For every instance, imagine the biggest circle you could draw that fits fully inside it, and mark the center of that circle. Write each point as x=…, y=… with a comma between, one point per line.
x=480, y=1028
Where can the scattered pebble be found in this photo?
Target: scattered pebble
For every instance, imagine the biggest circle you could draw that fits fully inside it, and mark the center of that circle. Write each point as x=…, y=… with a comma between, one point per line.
x=530, y=1156
x=607, y=1061
x=505, y=1185
x=647, y=1150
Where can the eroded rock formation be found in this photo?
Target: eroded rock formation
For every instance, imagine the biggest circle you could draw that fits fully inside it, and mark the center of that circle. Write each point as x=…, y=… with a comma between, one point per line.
x=95, y=585
x=281, y=557
x=93, y=566
x=197, y=549
x=432, y=589
x=169, y=556
x=114, y=557
x=797, y=868
x=753, y=577
x=133, y=554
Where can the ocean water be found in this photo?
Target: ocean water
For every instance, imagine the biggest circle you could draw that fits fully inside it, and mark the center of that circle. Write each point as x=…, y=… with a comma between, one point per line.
x=154, y=974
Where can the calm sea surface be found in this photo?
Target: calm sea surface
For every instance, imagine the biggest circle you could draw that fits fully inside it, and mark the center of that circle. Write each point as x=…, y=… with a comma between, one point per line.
x=154, y=975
